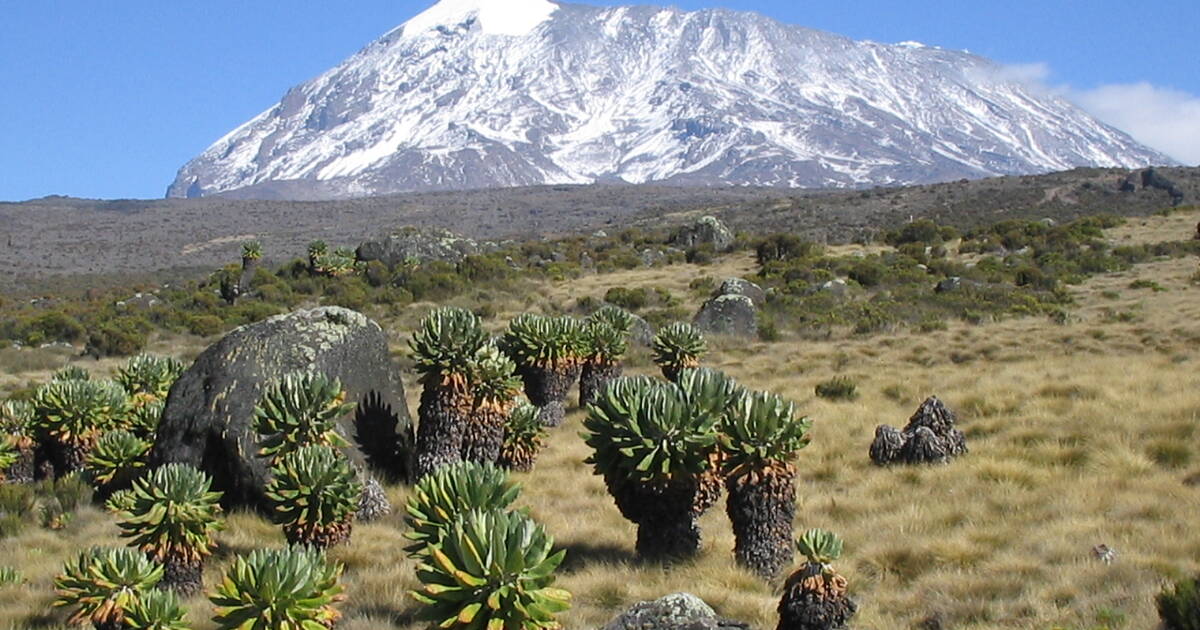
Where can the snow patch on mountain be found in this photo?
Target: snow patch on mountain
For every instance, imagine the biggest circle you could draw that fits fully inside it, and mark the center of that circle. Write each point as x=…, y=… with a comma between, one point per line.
x=497, y=93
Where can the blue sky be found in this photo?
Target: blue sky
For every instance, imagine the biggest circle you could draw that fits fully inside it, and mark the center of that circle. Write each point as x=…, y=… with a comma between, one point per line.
x=109, y=99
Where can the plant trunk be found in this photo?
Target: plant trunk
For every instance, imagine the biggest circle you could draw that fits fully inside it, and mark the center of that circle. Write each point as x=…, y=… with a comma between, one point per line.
x=547, y=389
x=665, y=515
x=248, y=267
x=593, y=377
x=484, y=434
x=671, y=371
x=68, y=457
x=185, y=578
x=761, y=508
x=25, y=468
x=811, y=601
x=321, y=537
x=440, y=431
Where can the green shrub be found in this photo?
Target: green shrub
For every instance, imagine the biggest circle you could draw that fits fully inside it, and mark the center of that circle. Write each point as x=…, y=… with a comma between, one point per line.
x=205, y=325
x=838, y=388
x=629, y=299
x=123, y=336
x=1179, y=605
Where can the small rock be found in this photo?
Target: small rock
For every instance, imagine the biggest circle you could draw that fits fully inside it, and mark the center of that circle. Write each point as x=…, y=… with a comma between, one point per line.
x=422, y=245
x=678, y=611
x=837, y=287
x=705, y=231
x=953, y=283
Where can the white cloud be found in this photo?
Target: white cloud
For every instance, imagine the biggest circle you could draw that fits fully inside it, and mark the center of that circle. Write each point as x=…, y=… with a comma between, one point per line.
x=1162, y=118
x=1166, y=119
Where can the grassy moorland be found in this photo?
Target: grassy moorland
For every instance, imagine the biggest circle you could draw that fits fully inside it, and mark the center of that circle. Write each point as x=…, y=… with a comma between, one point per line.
x=1082, y=419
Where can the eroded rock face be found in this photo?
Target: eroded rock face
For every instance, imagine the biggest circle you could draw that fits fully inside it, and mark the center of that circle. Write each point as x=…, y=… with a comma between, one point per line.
x=929, y=437
x=421, y=245
x=705, y=231
x=208, y=419
x=678, y=611
x=728, y=315
x=741, y=286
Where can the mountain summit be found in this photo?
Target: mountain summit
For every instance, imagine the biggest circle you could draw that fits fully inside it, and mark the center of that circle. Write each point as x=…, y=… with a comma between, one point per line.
x=496, y=93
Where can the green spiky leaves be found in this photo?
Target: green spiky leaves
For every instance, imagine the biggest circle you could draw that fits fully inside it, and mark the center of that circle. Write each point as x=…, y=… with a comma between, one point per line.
x=149, y=374
x=118, y=457
x=170, y=514
x=156, y=610
x=300, y=409
x=71, y=373
x=76, y=411
x=16, y=417
x=293, y=588
x=315, y=493
x=103, y=584
x=493, y=378
x=646, y=431
x=492, y=570
x=616, y=317
x=820, y=547
x=761, y=433
x=676, y=347
x=252, y=250
x=603, y=343
x=546, y=342
x=524, y=435
x=445, y=346
x=453, y=490
x=9, y=453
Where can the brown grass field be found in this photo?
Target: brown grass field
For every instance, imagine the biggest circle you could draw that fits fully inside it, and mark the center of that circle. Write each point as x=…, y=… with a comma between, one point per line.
x=1080, y=433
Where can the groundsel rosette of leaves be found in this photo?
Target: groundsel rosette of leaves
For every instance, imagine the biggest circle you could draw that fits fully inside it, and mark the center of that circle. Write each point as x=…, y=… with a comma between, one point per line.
x=453, y=490
x=676, y=347
x=252, y=250
x=547, y=342
x=279, y=588
x=149, y=374
x=760, y=438
x=315, y=493
x=815, y=595
x=9, y=454
x=116, y=460
x=71, y=373
x=102, y=584
x=298, y=410
x=494, y=388
x=614, y=316
x=171, y=515
x=70, y=415
x=156, y=610
x=492, y=569
x=524, y=436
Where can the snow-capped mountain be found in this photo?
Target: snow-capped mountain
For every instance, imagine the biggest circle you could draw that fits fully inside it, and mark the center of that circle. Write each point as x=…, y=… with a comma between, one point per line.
x=494, y=93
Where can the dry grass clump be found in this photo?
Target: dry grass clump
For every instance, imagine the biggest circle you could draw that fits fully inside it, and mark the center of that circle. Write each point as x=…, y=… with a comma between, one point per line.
x=1080, y=434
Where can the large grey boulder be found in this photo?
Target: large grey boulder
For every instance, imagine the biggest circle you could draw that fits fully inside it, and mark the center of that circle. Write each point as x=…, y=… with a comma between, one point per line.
x=705, y=231
x=728, y=315
x=422, y=245
x=678, y=611
x=741, y=286
x=208, y=419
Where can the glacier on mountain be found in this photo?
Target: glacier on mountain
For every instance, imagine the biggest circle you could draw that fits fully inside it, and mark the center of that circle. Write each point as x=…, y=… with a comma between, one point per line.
x=497, y=93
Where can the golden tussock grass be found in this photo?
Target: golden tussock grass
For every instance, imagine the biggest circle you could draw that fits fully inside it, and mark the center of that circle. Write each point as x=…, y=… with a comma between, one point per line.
x=1079, y=434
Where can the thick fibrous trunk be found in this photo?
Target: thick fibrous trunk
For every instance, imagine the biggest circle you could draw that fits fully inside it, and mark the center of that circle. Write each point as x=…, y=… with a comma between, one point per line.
x=547, y=389
x=185, y=578
x=249, y=265
x=593, y=377
x=810, y=604
x=671, y=372
x=761, y=511
x=319, y=537
x=440, y=431
x=665, y=515
x=484, y=434
x=24, y=469
x=64, y=458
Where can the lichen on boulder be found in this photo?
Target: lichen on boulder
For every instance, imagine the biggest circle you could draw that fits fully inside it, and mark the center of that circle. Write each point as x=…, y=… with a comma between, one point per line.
x=208, y=418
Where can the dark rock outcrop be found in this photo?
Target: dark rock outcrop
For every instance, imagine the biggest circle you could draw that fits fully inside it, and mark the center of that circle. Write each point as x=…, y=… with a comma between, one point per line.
x=705, y=231
x=208, y=419
x=728, y=315
x=929, y=438
x=422, y=245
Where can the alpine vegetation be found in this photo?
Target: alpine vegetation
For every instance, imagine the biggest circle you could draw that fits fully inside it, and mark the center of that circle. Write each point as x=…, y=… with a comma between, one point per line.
x=549, y=354
x=494, y=389
x=301, y=409
x=102, y=585
x=760, y=438
x=606, y=340
x=69, y=417
x=677, y=347
x=296, y=587
x=814, y=597
x=450, y=491
x=524, y=438
x=444, y=349
x=652, y=446
x=929, y=437
x=172, y=515
x=314, y=493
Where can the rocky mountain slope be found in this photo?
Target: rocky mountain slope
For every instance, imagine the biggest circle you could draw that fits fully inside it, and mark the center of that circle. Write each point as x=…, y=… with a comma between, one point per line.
x=489, y=93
